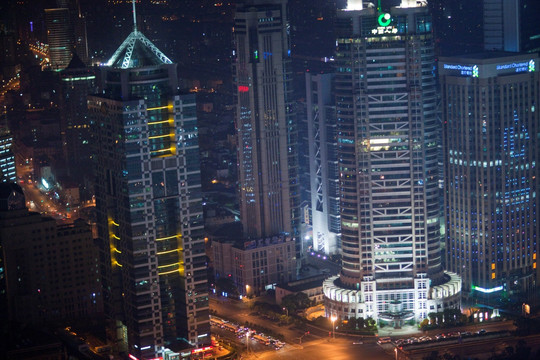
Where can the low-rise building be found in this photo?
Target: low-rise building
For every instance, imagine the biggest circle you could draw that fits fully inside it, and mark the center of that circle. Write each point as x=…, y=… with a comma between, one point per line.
x=255, y=265
x=311, y=286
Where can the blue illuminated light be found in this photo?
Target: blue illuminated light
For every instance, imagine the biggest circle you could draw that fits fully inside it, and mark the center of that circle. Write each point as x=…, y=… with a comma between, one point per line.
x=487, y=291
x=467, y=70
x=518, y=66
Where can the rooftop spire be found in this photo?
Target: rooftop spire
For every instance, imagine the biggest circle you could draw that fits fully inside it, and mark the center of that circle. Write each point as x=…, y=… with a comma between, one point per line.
x=134, y=16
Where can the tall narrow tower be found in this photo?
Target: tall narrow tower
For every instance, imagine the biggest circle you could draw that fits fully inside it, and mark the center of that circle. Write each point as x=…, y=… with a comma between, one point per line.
x=265, y=121
x=148, y=201
x=323, y=163
x=386, y=105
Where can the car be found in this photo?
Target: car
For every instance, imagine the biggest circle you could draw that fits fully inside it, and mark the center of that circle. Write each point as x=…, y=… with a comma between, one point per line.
x=439, y=337
x=466, y=333
x=384, y=340
x=481, y=331
x=399, y=341
x=453, y=334
x=357, y=343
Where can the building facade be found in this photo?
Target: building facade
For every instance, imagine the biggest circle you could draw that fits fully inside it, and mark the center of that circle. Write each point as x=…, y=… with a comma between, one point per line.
x=48, y=272
x=491, y=127
x=60, y=37
x=386, y=105
x=323, y=163
x=265, y=121
x=77, y=82
x=256, y=265
x=510, y=25
x=149, y=203
x=8, y=172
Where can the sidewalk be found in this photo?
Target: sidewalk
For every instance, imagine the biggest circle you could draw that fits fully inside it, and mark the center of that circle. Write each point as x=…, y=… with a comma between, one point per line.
x=406, y=330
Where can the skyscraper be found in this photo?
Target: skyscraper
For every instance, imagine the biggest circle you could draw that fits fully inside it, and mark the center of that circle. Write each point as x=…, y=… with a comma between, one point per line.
x=386, y=105
x=60, y=37
x=77, y=82
x=7, y=157
x=501, y=25
x=323, y=163
x=491, y=171
x=148, y=201
x=510, y=25
x=265, y=121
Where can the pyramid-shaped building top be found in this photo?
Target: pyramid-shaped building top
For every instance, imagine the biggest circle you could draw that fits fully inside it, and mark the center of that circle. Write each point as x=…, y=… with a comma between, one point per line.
x=137, y=51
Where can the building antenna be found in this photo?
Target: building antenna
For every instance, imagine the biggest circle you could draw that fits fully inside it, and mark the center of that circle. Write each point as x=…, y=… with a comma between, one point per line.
x=134, y=17
x=379, y=7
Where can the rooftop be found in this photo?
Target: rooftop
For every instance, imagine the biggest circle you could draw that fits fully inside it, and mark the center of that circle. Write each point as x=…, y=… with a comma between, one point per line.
x=305, y=284
x=137, y=51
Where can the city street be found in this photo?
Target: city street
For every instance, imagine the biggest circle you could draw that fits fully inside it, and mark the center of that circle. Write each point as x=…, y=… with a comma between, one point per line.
x=318, y=342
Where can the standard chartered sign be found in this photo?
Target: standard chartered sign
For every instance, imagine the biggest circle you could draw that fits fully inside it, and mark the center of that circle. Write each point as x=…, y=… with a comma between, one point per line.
x=465, y=70
x=489, y=68
x=529, y=66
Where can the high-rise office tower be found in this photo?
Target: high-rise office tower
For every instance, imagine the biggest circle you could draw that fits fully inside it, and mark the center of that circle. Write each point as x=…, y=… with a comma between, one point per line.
x=148, y=202
x=80, y=41
x=323, y=163
x=510, y=25
x=501, y=25
x=48, y=272
x=8, y=171
x=386, y=105
x=265, y=121
x=77, y=82
x=490, y=133
x=60, y=37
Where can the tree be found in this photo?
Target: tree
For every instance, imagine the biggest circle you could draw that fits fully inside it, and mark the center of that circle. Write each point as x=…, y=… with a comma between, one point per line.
x=297, y=301
x=350, y=324
x=225, y=284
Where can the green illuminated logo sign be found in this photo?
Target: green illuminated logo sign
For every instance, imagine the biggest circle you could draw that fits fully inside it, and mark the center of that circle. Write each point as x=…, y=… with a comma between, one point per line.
x=385, y=19
x=475, y=71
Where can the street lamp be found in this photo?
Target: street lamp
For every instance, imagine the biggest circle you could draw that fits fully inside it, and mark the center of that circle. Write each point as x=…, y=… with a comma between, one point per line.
x=247, y=341
x=333, y=318
x=395, y=351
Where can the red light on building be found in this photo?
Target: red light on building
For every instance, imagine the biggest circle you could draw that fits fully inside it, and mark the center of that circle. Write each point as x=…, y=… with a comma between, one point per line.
x=199, y=350
x=243, y=88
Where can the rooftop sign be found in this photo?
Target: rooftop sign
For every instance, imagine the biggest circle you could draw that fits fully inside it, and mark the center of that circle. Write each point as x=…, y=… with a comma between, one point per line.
x=488, y=70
